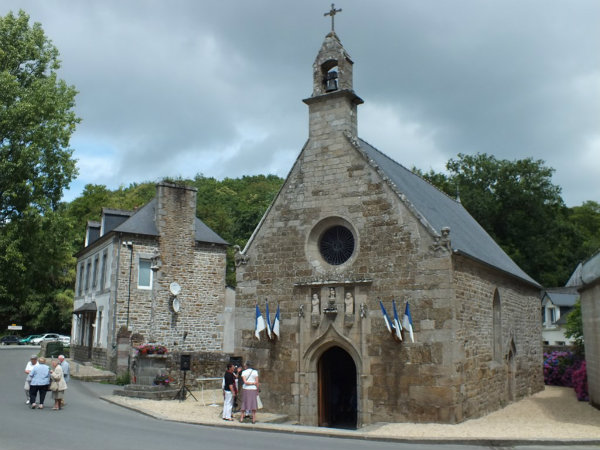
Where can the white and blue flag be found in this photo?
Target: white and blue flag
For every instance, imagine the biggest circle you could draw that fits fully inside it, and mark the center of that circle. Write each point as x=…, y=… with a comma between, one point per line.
x=275, y=326
x=408, y=323
x=386, y=318
x=268, y=319
x=259, y=324
x=397, y=326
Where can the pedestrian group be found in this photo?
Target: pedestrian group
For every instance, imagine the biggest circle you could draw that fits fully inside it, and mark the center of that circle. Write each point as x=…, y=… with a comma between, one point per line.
x=241, y=387
x=40, y=378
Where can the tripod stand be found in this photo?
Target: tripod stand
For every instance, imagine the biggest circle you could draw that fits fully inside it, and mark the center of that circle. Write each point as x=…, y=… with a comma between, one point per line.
x=184, y=390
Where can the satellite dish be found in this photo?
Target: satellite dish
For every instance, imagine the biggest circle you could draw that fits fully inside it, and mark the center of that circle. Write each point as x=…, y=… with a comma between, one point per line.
x=175, y=288
x=176, y=304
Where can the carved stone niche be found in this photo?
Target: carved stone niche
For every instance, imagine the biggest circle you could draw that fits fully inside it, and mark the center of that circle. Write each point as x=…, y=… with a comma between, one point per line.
x=331, y=310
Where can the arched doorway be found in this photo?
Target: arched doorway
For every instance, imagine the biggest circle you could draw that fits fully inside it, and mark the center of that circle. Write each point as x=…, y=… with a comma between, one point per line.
x=511, y=374
x=337, y=389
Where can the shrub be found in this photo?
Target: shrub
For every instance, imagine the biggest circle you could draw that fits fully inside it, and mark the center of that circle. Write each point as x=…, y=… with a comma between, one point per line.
x=580, y=382
x=123, y=379
x=566, y=369
x=556, y=368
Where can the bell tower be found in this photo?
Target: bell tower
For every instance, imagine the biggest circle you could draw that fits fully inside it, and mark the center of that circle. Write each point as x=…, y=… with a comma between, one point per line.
x=332, y=105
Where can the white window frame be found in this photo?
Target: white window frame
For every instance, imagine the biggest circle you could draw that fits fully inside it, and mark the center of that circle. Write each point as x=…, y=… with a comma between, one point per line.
x=145, y=261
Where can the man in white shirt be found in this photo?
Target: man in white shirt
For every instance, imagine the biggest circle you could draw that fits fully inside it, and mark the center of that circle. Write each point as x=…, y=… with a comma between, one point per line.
x=32, y=362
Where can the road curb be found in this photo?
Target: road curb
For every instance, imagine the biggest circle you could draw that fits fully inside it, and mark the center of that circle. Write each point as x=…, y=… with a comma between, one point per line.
x=343, y=434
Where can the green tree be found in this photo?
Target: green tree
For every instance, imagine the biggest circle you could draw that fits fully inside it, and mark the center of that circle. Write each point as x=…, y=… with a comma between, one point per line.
x=574, y=327
x=519, y=206
x=586, y=218
x=36, y=165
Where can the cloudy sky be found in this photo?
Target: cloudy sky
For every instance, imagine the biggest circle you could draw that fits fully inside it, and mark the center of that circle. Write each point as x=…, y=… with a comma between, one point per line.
x=177, y=88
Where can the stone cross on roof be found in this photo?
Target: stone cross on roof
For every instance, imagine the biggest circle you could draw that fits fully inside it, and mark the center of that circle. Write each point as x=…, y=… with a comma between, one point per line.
x=332, y=12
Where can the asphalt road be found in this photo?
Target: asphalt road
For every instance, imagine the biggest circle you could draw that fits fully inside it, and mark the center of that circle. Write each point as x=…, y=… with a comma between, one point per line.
x=90, y=423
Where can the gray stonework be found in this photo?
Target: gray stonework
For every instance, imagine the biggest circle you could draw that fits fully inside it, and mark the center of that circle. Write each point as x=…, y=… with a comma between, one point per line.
x=450, y=372
x=198, y=268
x=169, y=239
x=590, y=313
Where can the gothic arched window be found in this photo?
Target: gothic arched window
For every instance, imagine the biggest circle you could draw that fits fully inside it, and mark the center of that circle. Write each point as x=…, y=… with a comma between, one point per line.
x=497, y=327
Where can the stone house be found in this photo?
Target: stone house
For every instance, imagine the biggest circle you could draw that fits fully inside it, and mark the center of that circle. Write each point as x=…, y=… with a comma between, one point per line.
x=590, y=313
x=157, y=272
x=350, y=227
x=557, y=303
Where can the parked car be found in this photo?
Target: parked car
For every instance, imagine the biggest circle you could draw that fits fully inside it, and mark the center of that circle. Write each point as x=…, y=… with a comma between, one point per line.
x=45, y=337
x=27, y=339
x=66, y=340
x=10, y=339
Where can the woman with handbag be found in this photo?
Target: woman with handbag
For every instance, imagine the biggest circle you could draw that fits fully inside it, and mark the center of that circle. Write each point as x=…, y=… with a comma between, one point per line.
x=39, y=381
x=250, y=388
x=58, y=384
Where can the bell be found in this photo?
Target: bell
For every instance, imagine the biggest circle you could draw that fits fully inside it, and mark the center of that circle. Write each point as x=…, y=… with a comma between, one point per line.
x=331, y=82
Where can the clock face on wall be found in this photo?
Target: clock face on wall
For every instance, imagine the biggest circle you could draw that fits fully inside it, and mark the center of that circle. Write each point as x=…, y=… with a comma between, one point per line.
x=176, y=305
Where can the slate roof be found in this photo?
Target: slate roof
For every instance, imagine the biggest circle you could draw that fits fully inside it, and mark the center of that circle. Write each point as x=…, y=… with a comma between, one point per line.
x=575, y=278
x=142, y=222
x=590, y=271
x=565, y=299
x=435, y=208
x=112, y=218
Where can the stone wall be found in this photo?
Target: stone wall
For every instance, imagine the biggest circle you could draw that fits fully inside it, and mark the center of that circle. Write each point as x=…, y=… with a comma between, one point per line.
x=590, y=312
x=198, y=268
x=490, y=382
x=99, y=357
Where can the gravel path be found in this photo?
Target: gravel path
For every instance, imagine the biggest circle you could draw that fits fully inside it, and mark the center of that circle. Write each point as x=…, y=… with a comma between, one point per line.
x=553, y=414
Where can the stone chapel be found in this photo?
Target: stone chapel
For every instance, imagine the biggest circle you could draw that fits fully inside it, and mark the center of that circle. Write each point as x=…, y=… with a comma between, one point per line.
x=351, y=227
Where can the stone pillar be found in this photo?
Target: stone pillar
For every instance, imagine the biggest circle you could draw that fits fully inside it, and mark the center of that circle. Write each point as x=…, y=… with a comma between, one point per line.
x=123, y=350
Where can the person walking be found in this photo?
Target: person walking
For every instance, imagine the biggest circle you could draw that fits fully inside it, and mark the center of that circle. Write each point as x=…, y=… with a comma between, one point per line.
x=58, y=384
x=64, y=364
x=32, y=362
x=250, y=388
x=228, y=392
x=40, y=380
x=66, y=368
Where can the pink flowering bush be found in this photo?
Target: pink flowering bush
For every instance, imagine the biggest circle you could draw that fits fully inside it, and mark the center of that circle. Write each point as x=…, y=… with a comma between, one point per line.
x=580, y=382
x=557, y=368
x=151, y=349
x=566, y=369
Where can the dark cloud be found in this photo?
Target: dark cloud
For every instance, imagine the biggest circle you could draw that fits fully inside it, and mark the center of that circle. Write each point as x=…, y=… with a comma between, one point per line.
x=179, y=88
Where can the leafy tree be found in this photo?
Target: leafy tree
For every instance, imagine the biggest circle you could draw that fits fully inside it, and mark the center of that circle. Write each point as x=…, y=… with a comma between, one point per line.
x=519, y=206
x=574, y=327
x=36, y=165
x=586, y=218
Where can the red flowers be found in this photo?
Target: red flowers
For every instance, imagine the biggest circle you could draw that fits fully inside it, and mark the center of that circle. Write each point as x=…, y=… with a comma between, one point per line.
x=151, y=349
